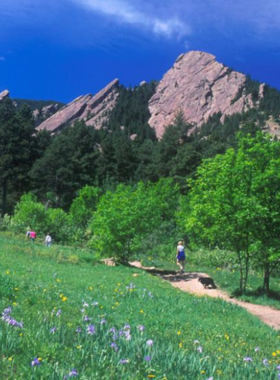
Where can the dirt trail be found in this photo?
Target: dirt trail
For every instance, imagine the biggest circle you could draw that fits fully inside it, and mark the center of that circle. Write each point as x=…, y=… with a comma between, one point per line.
x=188, y=282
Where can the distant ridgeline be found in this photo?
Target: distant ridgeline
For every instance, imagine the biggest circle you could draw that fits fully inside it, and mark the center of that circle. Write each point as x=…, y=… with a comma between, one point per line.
x=126, y=135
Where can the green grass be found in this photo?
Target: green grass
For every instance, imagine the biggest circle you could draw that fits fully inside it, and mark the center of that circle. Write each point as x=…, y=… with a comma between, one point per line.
x=37, y=284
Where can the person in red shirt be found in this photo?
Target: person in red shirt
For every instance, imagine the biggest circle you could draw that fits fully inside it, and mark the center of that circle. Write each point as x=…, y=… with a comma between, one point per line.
x=32, y=236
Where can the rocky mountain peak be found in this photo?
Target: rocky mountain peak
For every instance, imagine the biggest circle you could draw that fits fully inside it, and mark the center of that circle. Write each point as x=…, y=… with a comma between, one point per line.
x=93, y=109
x=199, y=86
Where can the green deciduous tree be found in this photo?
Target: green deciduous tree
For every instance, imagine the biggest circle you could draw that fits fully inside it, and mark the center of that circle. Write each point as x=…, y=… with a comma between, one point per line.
x=234, y=203
x=124, y=217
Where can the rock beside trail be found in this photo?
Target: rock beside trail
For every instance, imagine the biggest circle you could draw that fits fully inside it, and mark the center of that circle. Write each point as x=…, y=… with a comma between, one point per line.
x=4, y=94
x=94, y=110
x=199, y=86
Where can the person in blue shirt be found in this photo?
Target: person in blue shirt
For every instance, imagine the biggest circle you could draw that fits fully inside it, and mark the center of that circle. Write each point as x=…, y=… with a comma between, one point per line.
x=181, y=257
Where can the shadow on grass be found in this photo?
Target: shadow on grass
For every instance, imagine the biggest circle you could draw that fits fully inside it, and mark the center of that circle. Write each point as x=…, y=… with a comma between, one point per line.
x=258, y=293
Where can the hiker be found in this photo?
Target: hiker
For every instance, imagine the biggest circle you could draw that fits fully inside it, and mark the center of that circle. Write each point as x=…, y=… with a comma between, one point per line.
x=33, y=236
x=48, y=240
x=28, y=234
x=181, y=257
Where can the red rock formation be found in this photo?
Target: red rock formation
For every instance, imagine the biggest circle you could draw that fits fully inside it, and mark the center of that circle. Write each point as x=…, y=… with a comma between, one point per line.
x=198, y=86
x=92, y=109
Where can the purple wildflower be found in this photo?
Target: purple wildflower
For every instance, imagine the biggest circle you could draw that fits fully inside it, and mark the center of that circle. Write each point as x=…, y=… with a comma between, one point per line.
x=78, y=330
x=127, y=327
x=247, y=359
x=91, y=330
x=200, y=349
x=85, y=304
x=124, y=361
x=278, y=367
x=58, y=312
x=86, y=318
x=210, y=378
x=127, y=335
x=103, y=321
x=150, y=342
x=147, y=358
x=114, y=346
x=53, y=330
x=112, y=330
x=35, y=362
x=141, y=328
x=265, y=362
x=73, y=373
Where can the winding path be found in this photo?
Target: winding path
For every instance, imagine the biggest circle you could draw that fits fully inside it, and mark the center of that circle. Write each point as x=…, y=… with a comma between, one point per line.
x=188, y=282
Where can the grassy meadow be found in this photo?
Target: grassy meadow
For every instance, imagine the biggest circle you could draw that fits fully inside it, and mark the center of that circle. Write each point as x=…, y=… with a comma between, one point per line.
x=66, y=316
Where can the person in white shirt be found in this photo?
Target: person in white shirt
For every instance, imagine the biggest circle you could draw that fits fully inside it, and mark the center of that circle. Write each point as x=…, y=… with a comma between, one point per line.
x=48, y=240
x=181, y=257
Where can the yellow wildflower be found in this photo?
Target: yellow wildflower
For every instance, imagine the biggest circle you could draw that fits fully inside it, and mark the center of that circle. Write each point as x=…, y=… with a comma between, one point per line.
x=64, y=299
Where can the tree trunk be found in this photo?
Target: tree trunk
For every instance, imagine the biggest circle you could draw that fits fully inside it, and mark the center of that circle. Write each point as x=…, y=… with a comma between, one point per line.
x=266, y=278
x=241, y=279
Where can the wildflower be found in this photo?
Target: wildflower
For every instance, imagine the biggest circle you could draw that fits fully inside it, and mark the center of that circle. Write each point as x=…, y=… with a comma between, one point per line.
x=178, y=332
x=210, y=378
x=127, y=327
x=78, y=330
x=35, y=362
x=196, y=341
x=103, y=321
x=147, y=358
x=90, y=287
x=94, y=303
x=247, y=359
x=200, y=349
x=112, y=329
x=151, y=376
x=127, y=335
x=86, y=318
x=274, y=354
x=53, y=330
x=114, y=346
x=265, y=362
x=58, y=312
x=91, y=330
x=73, y=372
x=150, y=342
x=124, y=361
x=141, y=328
x=257, y=349
x=278, y=367
x=85, y=304
x=64, y=299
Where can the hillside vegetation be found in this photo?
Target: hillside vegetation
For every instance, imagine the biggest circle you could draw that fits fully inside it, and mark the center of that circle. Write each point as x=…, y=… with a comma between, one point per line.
x=63, y=317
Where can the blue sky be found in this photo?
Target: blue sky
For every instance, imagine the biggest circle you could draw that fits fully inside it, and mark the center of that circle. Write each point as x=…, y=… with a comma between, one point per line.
x=60, y=49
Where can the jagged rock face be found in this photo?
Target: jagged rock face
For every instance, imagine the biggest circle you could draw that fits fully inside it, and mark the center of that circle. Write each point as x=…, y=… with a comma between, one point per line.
x=94, y=110
x=198, y=86
x=44, y=113
x=4, y=94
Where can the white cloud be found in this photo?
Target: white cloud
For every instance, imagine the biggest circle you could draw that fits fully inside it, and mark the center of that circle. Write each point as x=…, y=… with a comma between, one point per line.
x=123, y=12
